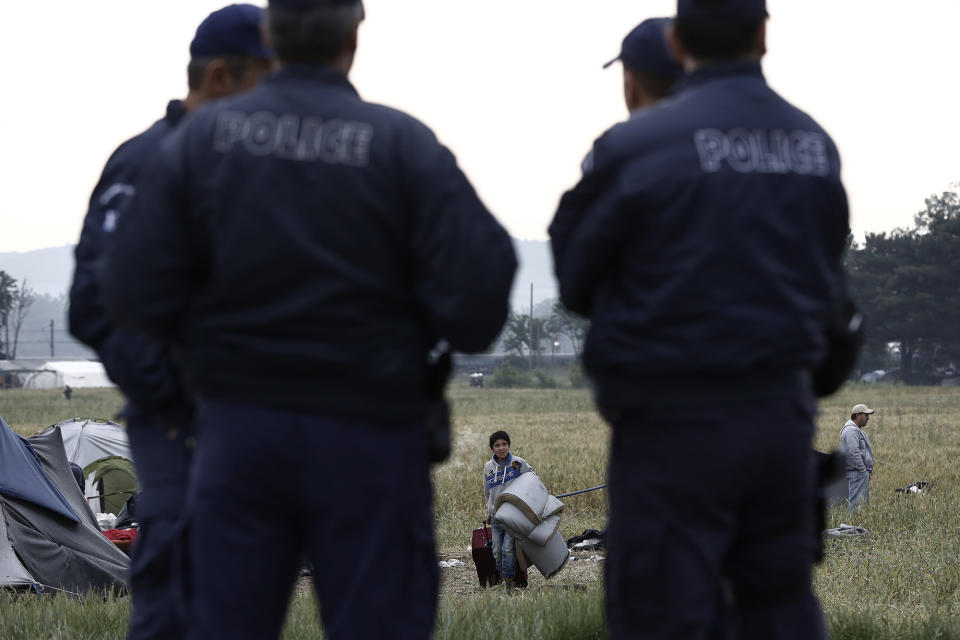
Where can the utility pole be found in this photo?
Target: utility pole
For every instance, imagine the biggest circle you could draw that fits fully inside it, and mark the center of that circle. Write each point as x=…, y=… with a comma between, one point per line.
x=530, y=326
x=51, y=337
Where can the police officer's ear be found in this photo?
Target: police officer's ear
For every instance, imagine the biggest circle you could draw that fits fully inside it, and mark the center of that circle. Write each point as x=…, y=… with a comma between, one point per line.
x=631, y=90
x=218, y=80
x=265, y=36
x=350, y=45
x=678, y=51
x=760, y=44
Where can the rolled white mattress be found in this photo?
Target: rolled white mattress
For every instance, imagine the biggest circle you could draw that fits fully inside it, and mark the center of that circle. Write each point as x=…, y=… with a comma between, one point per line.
x=511, y=518
x=549, y=559
x=528, y=493
x=552, y=507
x=542, y=533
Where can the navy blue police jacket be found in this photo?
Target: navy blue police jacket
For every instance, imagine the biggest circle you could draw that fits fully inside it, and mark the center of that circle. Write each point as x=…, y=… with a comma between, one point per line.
x=306, y=250
x=704, y=242
x=143, y=368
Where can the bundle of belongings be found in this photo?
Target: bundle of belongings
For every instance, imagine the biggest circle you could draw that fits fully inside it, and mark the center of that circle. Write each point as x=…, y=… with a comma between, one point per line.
x=915, y=487
x=532, y=516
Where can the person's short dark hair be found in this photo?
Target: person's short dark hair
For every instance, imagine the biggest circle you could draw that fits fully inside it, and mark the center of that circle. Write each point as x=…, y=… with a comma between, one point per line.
x=853, y=416
x=236, y=66
x=653, y=85
x=315, y=36
x=718, y=39
x=499, y=435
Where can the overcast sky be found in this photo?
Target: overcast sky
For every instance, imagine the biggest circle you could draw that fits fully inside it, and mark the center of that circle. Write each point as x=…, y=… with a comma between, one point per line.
x=514, y=87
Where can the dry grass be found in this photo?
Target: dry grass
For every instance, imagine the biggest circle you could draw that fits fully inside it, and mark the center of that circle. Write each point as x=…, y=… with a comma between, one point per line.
x=901, y=582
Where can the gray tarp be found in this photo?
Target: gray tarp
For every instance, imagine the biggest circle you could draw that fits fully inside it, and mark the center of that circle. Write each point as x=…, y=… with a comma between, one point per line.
x=12, y=571
x=55, y=551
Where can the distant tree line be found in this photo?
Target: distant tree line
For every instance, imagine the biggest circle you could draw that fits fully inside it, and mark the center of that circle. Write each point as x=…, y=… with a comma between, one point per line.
x=907, y=283
x=15, y=302
x=538, y=335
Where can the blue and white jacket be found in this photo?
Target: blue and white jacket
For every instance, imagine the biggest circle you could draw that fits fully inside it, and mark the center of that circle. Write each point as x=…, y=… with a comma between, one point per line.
x=497, y=476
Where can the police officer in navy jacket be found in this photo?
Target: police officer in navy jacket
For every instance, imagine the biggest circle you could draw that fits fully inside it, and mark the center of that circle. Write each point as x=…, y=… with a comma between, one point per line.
x=704, y=243
x=226, y=56
x=306, y=250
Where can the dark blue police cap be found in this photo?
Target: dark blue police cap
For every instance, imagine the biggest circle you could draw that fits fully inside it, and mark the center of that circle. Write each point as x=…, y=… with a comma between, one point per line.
x=306, y=5
x=231, y=31
x=721, y=9
x=645, y=49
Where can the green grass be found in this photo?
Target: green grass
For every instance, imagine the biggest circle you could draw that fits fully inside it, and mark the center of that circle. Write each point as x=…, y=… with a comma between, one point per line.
x=901, y=582
x=58, y=617
x=30, y=412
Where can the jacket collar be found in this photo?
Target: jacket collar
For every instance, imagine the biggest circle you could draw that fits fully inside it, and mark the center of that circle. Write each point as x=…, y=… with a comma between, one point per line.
x=720, y=71
x=505, y=462
x=327, y=76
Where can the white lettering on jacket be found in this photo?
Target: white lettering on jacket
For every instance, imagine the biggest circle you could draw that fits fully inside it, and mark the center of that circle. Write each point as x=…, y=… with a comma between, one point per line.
x=294, y=137
x=763, y=151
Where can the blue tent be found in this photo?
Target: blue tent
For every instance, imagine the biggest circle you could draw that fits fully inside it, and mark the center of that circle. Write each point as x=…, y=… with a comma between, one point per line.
x=23, y=477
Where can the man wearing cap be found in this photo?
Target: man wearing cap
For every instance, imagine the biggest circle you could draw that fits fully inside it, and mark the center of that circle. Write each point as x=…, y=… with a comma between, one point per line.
x=649, y=70
x=856, y=445
x=306, y=251
x=226, y=56
x=704, y=243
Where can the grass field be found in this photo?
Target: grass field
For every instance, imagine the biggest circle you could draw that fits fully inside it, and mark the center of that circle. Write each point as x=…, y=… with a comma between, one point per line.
x=901, y=582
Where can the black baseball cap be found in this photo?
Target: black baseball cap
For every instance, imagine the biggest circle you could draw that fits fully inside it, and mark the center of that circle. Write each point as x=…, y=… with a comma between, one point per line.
x=645, y=49
x=231, y=31
x=306, y=5
x=721, y=9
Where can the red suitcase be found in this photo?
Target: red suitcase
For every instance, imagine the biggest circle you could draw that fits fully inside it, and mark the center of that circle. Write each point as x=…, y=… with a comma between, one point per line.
x=486, y=565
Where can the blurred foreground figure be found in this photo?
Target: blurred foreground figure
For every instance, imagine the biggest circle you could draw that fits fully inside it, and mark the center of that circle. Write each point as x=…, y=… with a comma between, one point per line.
x=305, y=250
x=226, y=56
x=704, y=243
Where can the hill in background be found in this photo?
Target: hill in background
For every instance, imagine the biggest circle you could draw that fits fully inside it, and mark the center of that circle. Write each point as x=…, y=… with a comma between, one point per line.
x=49, y=272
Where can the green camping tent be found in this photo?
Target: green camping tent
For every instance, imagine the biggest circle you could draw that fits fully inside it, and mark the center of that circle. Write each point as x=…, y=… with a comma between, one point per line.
x=114, y=480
